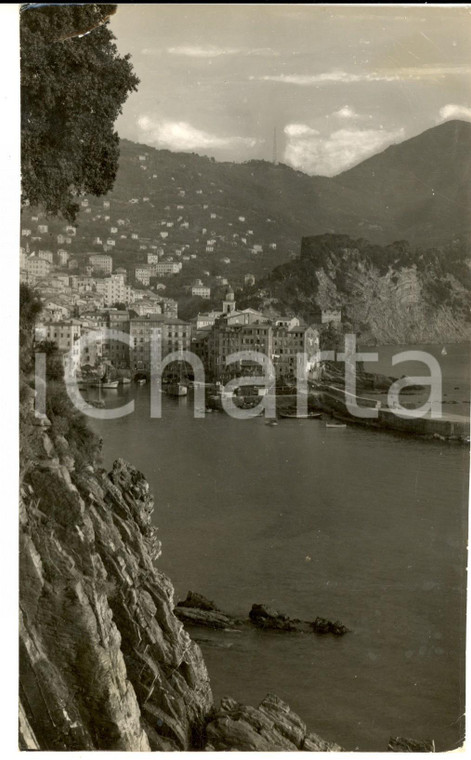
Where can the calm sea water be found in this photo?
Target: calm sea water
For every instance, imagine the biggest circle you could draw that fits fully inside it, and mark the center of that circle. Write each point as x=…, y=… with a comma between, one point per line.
x=366, y=527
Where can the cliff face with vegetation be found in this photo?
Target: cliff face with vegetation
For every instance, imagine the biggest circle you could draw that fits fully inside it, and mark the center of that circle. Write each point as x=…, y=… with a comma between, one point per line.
x=390, y=294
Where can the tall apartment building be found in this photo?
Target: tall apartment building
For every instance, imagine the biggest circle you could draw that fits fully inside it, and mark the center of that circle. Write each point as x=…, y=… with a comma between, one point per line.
x=175, y=336
x=66, y=335
x=114, y=349
x=114, y=289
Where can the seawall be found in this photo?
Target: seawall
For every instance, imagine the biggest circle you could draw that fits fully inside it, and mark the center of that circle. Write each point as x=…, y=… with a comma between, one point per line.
x=448, y=427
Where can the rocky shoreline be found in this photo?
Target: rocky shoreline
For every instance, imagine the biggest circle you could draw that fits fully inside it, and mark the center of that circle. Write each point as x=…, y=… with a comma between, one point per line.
x=105, y=660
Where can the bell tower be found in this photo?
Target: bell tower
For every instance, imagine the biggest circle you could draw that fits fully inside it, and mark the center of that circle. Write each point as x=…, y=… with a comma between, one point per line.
x=228, y=305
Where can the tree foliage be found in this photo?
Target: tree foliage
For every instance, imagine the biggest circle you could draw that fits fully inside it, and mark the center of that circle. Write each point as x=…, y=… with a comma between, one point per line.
x=73, y=87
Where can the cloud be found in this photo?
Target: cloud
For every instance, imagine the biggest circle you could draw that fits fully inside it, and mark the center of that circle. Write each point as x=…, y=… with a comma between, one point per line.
x=179, y=135
x=347, y=112
x=453, y=111
x=299, y=130
x=328, y=155
x=348, y=77
x=196, y=51
x=306, y=80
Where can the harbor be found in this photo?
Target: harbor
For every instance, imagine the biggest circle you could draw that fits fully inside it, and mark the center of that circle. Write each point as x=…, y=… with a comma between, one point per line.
x=257, y=512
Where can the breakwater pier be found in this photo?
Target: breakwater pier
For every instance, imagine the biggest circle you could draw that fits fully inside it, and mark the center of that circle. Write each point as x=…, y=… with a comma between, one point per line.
x=447, y=427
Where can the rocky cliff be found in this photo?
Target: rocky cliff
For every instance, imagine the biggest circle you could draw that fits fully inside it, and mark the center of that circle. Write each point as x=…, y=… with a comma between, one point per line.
x=104, y=662
x=387, y=294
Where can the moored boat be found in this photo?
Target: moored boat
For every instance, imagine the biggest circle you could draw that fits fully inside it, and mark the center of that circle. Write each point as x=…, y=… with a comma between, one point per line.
x=300, y=415
x=109, y=383
x=177, y=389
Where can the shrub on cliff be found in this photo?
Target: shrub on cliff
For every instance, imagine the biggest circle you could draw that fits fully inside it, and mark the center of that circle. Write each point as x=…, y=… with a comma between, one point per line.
x=67, y=421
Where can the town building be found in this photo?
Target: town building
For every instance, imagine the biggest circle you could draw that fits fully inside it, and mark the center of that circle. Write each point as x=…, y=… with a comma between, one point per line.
x=114, y=289
x=201, y=290
x=66, y=335
x=115, y=349
x=101, y=262
x=203, y=321
x=164, y=268
x=175, y=336
x=37, y=267
x=143, y=274
x=147, y=306
x=62, y=257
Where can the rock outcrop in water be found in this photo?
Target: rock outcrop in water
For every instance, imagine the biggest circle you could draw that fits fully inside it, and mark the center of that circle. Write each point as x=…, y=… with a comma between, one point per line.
x=197, y=610
x=269, y=619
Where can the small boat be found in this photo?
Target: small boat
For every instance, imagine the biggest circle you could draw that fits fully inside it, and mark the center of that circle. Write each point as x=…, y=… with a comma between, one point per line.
x=177, y=389
x=141, y=381
x=272, y=423
x=125, y=380
x=109, y=383
x=300, y=416
x=335, y=425
x=444, y=352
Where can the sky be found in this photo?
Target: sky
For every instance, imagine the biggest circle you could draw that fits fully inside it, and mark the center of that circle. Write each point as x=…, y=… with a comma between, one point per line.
x=335, y=83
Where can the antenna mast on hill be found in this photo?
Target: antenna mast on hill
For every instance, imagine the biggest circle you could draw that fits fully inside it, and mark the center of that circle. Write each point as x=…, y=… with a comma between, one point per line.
x=275, y=157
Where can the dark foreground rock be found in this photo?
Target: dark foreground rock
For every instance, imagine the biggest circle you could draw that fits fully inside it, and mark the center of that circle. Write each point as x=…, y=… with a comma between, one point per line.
x=400, y=744
x=272, y=727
